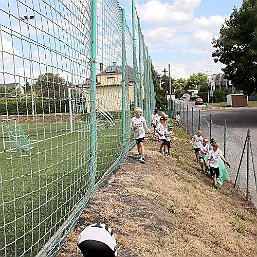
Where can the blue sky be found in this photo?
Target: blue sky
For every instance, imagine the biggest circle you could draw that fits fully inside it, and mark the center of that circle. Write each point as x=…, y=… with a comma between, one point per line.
x=180, y=32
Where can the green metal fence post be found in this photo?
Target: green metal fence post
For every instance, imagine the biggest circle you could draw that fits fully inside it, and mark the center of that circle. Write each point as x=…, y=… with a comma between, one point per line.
x=123, y=118
x=192, y=115
x=148, y=87
x=199, y=120
x=134, y=55
x=225, y=137
x=93, y=132
x=247, y=164
x=210, y=125
x=187, y=129
x=140, y=66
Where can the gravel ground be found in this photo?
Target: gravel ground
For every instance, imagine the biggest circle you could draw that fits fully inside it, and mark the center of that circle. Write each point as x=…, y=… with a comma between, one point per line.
x=166, y=207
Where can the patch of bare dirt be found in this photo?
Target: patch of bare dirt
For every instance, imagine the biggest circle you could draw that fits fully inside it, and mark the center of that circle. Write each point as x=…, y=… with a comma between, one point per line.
x=166, y=207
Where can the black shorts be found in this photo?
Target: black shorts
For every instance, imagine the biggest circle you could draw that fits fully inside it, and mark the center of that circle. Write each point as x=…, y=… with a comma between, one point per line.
x=92, y=248
x=139, y=140
x=197, y=150
x=214, y=171
x=166, y=142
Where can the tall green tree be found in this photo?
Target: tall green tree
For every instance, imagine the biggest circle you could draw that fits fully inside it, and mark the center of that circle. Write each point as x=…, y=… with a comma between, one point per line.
x=195, y=81
x=51, y=85
x=236, y=47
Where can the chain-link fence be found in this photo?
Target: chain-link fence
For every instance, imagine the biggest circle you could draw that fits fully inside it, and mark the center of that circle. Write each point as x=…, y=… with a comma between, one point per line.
x=71, y=74
x=238, y=150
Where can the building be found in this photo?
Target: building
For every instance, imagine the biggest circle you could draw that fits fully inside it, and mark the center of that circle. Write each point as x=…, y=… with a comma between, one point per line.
x=109, y=87
x=219, y=82
x=11, y=87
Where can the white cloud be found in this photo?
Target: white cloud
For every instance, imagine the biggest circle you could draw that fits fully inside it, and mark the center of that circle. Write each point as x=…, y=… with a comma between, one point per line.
x=184, y=69
x=161, y=35
x=158, y=13
x=213, y=22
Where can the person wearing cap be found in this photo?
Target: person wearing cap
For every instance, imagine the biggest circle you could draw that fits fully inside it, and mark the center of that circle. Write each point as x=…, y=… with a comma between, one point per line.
x=97, y=240
x=154, y=120
x=138, y=124
x=168, y=135
x=160, y=131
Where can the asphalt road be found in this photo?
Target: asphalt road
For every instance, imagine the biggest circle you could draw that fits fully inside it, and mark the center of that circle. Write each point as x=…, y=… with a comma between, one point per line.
x=238, y=120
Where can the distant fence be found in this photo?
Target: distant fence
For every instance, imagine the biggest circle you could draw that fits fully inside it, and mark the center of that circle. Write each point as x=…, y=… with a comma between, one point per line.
x=239, y=150
x=71, y=75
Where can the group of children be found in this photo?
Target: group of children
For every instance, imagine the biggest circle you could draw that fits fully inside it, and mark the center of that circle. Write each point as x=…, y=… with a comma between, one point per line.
x=210, y=158
x=163, y=133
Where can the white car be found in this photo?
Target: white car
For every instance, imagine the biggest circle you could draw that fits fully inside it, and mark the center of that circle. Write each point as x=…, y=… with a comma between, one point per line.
x=185, y=97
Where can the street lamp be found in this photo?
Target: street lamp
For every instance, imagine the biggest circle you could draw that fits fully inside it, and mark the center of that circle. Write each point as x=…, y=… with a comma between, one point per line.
x=209, y=85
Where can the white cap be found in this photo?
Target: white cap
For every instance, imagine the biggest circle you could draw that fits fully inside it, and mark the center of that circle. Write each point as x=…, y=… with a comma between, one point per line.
x=99, y=232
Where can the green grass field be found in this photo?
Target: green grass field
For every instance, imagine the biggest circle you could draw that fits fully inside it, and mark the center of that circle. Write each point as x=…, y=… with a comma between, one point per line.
x=224, y=104
x=39, y=188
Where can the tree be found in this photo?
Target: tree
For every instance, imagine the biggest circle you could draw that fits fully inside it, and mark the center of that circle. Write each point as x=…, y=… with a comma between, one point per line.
x=51, y=85
x=160, y=93
x=195, y=81
x=236, y=47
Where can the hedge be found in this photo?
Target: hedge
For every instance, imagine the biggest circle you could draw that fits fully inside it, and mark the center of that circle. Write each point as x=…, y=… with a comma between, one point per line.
x=23, y=106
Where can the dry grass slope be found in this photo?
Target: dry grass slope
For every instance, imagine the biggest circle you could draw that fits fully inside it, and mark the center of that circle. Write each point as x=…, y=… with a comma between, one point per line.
x=167, y=208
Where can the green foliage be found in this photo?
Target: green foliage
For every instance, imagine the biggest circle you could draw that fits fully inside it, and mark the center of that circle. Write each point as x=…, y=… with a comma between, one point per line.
x=160, y=94
x=236, y=47
x=23, y=106
x=203, y=93
x=51, y=86
x=5, y=91
x=219, y=96
x=195, y=81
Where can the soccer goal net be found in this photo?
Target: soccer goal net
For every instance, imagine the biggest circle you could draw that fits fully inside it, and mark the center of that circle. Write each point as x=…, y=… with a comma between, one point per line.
x=14, y=137
x=79, y=107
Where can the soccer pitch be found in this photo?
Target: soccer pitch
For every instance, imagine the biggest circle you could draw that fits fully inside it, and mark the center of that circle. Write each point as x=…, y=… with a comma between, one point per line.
x=39, y=188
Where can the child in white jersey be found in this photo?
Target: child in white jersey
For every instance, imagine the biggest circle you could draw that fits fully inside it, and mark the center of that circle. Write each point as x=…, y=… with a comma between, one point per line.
x=215, y=155
x=160, y=131
x=155, y=120
x=203, y=155
x=138, y=124
x=168, y=135
x=197, y=140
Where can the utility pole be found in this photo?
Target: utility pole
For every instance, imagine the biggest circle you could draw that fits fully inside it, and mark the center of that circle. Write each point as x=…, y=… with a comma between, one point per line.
x=170, y=92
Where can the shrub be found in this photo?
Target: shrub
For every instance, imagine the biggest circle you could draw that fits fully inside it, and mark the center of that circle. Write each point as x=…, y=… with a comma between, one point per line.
x=23, y=106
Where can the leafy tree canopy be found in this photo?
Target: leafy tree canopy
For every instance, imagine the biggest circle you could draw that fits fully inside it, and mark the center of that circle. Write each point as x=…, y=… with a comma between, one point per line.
x=195, y=81
x=51, y=85
x=236, y=47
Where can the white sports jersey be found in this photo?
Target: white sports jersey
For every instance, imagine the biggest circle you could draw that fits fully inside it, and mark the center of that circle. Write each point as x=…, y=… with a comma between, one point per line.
x=168, y=134
x=214, y=157
x=161, y=130
x=197, y=141
x=140, y=124
x=155, y=119
x=204, y=150
x=101, y=233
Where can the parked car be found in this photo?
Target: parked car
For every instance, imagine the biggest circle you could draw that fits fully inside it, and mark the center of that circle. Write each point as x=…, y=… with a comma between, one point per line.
x=185, y=97
x=199, y=101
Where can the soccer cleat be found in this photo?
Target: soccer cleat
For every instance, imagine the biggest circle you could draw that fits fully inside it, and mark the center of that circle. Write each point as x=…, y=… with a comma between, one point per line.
x=142, y=159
